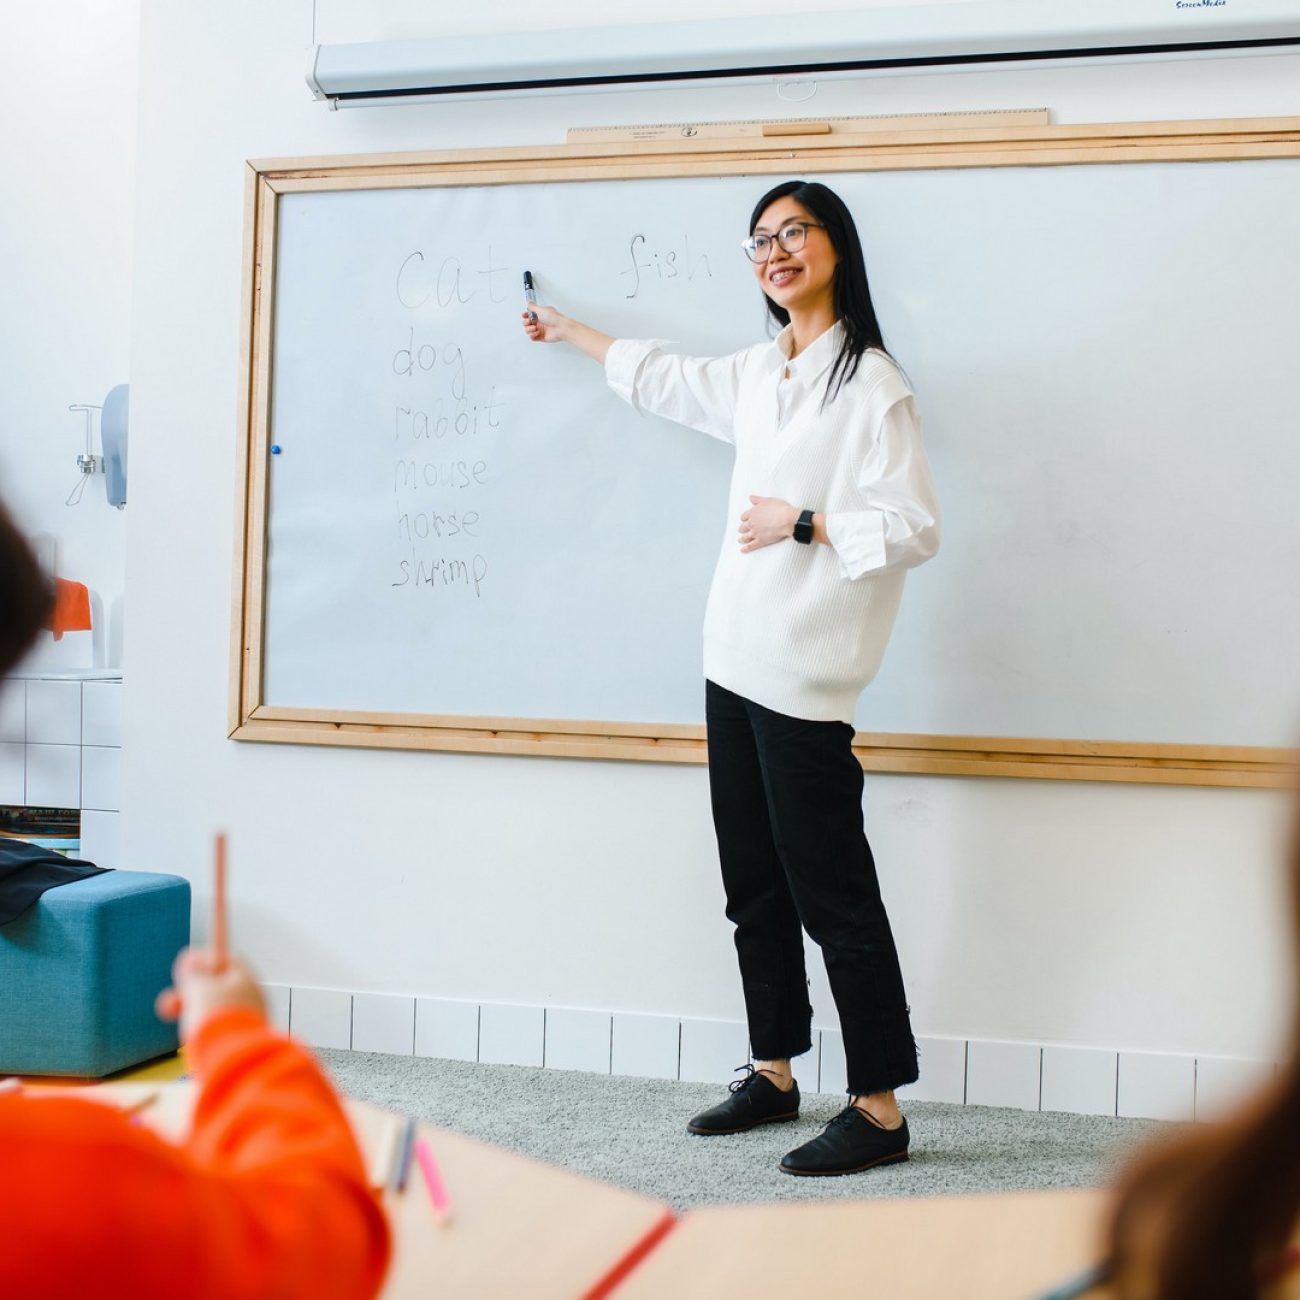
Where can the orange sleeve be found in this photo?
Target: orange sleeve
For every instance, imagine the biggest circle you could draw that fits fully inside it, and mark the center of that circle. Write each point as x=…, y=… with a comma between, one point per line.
x=267, y=1197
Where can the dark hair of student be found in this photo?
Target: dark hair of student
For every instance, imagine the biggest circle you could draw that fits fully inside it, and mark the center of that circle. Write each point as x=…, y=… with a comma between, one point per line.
x=853, y=306
x=25, y=594
x=1207, y=1214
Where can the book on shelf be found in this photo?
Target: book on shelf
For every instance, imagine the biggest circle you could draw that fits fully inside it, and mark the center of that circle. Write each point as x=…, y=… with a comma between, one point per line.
x=57, y=829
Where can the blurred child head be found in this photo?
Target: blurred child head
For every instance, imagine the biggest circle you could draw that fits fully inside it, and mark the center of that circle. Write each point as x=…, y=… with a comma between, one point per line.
x=1207, y=1213
x=26, y=595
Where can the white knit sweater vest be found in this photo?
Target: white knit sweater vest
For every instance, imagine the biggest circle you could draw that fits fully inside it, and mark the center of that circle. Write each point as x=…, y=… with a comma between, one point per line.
x=785, y=627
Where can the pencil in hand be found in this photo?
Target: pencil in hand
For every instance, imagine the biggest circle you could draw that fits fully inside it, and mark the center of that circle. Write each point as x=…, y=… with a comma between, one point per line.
x=220, y=937
x=168, y=1003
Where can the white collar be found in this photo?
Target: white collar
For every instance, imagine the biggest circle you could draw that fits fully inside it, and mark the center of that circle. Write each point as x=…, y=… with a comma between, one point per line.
x=814, y=359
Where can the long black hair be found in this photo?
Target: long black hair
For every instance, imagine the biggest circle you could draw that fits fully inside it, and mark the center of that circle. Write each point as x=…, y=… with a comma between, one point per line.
x=852, y=299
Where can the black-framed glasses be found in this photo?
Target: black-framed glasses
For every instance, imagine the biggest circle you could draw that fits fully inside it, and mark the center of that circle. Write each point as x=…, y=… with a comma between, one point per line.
x=791, y=237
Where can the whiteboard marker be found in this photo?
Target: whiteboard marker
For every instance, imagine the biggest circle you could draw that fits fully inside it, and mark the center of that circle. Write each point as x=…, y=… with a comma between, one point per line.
x=530, y=294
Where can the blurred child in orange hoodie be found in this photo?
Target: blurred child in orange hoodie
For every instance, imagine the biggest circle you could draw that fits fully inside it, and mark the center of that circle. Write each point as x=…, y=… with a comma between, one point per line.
x=267, y=1197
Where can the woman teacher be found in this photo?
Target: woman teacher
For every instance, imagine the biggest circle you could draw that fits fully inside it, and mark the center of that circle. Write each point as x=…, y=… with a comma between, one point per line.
x=832, y=501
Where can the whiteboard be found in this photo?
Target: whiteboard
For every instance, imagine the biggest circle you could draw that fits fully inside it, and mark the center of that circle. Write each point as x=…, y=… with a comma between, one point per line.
x=461, y=522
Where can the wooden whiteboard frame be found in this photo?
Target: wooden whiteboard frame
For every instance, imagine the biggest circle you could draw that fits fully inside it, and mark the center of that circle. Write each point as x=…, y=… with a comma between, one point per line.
x=996, y=146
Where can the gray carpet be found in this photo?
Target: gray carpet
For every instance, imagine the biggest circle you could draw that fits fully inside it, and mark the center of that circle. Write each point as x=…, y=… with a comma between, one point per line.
x=631, y=1132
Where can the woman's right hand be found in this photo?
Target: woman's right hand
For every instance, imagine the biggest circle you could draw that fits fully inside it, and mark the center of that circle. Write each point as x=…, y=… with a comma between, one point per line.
x=552, y=326
x=548, y=325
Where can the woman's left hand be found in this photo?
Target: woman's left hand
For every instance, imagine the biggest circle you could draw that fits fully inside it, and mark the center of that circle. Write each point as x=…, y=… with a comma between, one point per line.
x=767, y=520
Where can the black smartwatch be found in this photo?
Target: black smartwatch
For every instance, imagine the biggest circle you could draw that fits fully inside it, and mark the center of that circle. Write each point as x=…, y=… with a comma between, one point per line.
x=803, y=530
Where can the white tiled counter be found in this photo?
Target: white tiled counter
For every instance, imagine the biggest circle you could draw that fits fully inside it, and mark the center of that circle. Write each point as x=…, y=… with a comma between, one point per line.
x=61, y=747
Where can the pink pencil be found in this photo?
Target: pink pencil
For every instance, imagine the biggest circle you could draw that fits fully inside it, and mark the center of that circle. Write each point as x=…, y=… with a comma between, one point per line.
x=219, y=948
x=433, y=1180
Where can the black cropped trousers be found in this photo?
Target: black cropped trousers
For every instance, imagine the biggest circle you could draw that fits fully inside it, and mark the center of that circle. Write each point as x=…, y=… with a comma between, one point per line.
x=787, y=809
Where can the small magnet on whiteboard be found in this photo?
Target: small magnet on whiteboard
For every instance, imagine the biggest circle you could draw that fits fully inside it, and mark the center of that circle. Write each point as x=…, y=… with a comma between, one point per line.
x=275, y=449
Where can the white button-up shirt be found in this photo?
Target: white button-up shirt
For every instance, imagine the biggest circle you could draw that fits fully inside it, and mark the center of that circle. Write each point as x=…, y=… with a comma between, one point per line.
x=801, y=629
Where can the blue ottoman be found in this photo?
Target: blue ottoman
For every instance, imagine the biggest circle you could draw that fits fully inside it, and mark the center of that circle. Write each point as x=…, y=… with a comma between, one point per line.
x=79, y=971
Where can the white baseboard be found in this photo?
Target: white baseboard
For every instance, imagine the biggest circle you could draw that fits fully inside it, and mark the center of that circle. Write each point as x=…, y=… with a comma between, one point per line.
x=973, y=1072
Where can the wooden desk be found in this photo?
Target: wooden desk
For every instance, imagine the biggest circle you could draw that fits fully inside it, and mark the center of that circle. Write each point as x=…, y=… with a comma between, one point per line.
x=520, y=1227
x=1003, y=1246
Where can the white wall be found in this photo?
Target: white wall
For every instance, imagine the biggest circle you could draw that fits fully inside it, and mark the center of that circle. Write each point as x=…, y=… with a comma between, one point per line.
x=1134, y=917
x=68, y=77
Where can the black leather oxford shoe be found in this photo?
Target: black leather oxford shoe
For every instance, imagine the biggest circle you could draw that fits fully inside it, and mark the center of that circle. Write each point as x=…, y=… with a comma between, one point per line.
x=850, y=1143
x=754, y=1100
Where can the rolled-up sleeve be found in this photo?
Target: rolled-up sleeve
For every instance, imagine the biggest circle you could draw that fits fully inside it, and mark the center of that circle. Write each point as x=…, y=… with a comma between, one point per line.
x=898, y=528
x=699, y=392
